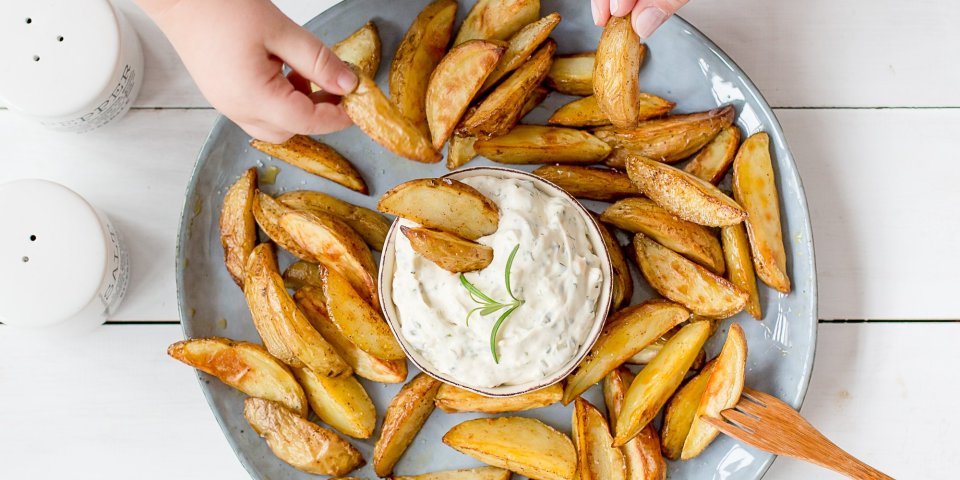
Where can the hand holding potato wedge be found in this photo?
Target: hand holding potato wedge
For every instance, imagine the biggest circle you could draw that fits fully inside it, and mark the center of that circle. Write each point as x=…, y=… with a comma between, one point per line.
x=616, y=73
x=405, y=416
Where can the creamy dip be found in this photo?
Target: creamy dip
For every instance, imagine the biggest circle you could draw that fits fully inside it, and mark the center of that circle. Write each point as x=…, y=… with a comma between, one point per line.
x=556, y=272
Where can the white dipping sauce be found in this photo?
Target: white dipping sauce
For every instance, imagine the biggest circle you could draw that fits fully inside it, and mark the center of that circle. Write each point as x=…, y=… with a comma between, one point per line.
x=556, y=272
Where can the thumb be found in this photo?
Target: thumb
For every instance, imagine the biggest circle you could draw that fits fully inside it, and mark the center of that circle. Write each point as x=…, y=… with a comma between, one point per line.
x=309, y=57
x=648, y=15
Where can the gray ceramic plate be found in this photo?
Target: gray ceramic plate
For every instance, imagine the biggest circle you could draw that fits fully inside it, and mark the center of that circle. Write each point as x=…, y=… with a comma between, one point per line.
x=682, y=65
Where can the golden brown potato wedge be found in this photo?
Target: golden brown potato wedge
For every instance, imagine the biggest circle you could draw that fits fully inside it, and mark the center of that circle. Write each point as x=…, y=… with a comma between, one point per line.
x=654, y=385
x=443, y=204
x=262, y=259
x=267, y=212
x=501, y=109
x=669, y=139
x=312, y=303
x=736, y=251
x=536, y=97
x=585, y=112
x=650, y=352
x=598, y=459
x=754, y=185
x=340, y=402
x=680, y=411
x=627, y=332
x=712, y=162
x=448, y=251
x=303, y=274
x=686, y=282
x=589, y=182
x=641, y=215
x=616, y=72
x=314, y=157
x=300, y=442
x=521, y=46
x=460, y=151
x=722, y=392
x=497, y=19
x=380, y=119
x=361, y=48
x=684, y=195
x=572, y=74
x=248, y=367
x=542, y=144
x=451, y=399
x=371, y=225
x=454, y=84
x=622, y=280
x=642, y=453
x=407, y=413
x=522, y=445
x=358, y=320
x=479, y=473
x=238, y=228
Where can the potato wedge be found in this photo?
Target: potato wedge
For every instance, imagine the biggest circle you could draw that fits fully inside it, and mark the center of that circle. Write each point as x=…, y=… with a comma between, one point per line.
x=642, y=453
x=585, y=112
x=521, y=45
x=669, y=139
x=627, y=332
x=303, y=274
x=589, y=182
x=684, y=195
x=572, y=74
x=654, y=384
x=238, y=228
x=460, y=151
x=248, y=367
x=616, y=72
x=712, y=162
x=262, y=259
x=361, y=48
x=448, y=251
x=303, y=444
x=407, y=413
x=722, y=392
x=622, y=280
x=312, y=303
x=522, y=445
x=501, y=109
x=534, y=99
x=479, y=473
x=598, y=459
x=443, y=204
x=451, y=399
x=526, y=144
x=357, y=320
x=383, y=122
x=315, y=157
x=371, y=225
x=641, y=215
x=754, y=185
x=651, y=351
x=267, y=212
x=454, y=84
x=340, y=402
x=680, y=412
x=497, y=19
x=736, y=251
x=419, y=52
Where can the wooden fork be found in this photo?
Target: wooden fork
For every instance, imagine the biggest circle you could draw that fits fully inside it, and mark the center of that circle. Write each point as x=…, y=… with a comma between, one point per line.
x=767, y=423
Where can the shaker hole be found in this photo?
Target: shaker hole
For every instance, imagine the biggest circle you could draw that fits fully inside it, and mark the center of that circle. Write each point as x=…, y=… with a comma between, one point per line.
x=36, y=58
x=29, y=20
x=33, y=238
x=60, y=38
x=25, y=259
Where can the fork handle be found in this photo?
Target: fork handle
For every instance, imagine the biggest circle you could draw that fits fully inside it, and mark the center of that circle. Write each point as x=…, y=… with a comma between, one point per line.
x=838, y=460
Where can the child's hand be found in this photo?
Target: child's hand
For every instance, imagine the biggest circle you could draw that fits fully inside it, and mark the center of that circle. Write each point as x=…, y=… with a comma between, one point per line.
x=235, y=50
x=647, y=15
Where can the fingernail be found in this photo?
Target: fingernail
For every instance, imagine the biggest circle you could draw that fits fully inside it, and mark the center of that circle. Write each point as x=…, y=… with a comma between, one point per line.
x=347, y=81
x=648, y=21
x=595, y=10
x=614, y=6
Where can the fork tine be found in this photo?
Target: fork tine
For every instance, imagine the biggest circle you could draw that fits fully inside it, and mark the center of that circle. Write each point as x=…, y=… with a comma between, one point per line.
x=748, y=405
x=758, y=397
x=743, y=420
x=728, y=429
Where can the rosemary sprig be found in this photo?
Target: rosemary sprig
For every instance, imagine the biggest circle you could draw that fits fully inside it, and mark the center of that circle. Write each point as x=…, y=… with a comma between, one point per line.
x=489, y=305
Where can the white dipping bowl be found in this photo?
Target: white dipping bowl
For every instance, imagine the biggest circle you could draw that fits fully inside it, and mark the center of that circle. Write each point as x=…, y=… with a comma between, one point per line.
x=388, y=264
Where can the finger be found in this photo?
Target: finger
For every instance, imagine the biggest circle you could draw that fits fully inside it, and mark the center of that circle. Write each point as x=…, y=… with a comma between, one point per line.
x=291, y=110
x=307, y=55
x=269, y=135
x=648, y=15
x=601, y=11
x=620, y=8
x=300, y=83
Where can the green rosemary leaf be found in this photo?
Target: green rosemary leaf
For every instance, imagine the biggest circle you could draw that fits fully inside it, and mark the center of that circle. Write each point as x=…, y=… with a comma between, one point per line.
x=506, y=272
x=491, y=309
x=496, y=329
x=474, y=290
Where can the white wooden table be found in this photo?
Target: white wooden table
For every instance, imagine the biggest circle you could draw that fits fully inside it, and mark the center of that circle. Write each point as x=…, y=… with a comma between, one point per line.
x=867, y=92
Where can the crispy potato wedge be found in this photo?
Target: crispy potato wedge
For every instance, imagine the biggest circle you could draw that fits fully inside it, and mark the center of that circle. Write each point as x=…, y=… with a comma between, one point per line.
x=448, y=251
x=238, y=228
x=361, y=48
x=712, y=162
x=371, y=225
x=651, y=351
x=680, y=411
x=303, y=274
x=654, y=384
x=383, y=122
x=407, y=413
x=521, y=46
x=642, y=453
x=684, y=195
x=572, y=74
x=358, y=320
x=669, y=139
x=598, y=459
x=686, y=282
x=314, y=157
x=443, y=204
x=303, y=444
x=542, y=144
x=754, y=185
x=536, y=97
x=592, y=183
x=627, y=332
x=460, y=151
x=454, y=84
x=522, y=445
x=312, y=303
x=502, y=108
x=479, y=473
x=267, y=212
x=622, y=280
x=616, y=72
x=261, y=260
x=248, y=367
x=497, y=19
x=722, y=392
x=736, y=251
x=419, y=52
x=451, y=399
x=585, y=112
x=641, y=215
x=340, y=402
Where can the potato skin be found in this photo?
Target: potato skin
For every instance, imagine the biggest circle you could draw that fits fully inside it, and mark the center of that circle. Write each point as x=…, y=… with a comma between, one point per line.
x=404, y=418
x=526, y=144
x=598, y=459
x=238, y=228
x=357, y=320
x=622, y=279
x=267, y=212
x=371, y=225
x=315, y=157
x=443, y=204
x=669, y=139
x=736, y=252
x=585, y=112
x=641, y=454
x=712, y=162
x=521, y=46
x=448, y=251
x=361, y=48
x=340, y=402
x=572, y=74
x=497, y=19
x=592, y=183
x=616, y=73
x=680, y=411
x=452, y=399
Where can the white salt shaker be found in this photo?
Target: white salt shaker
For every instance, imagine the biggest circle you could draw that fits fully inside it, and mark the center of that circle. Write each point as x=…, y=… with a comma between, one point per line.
x=72, y=65
x=63, y=267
